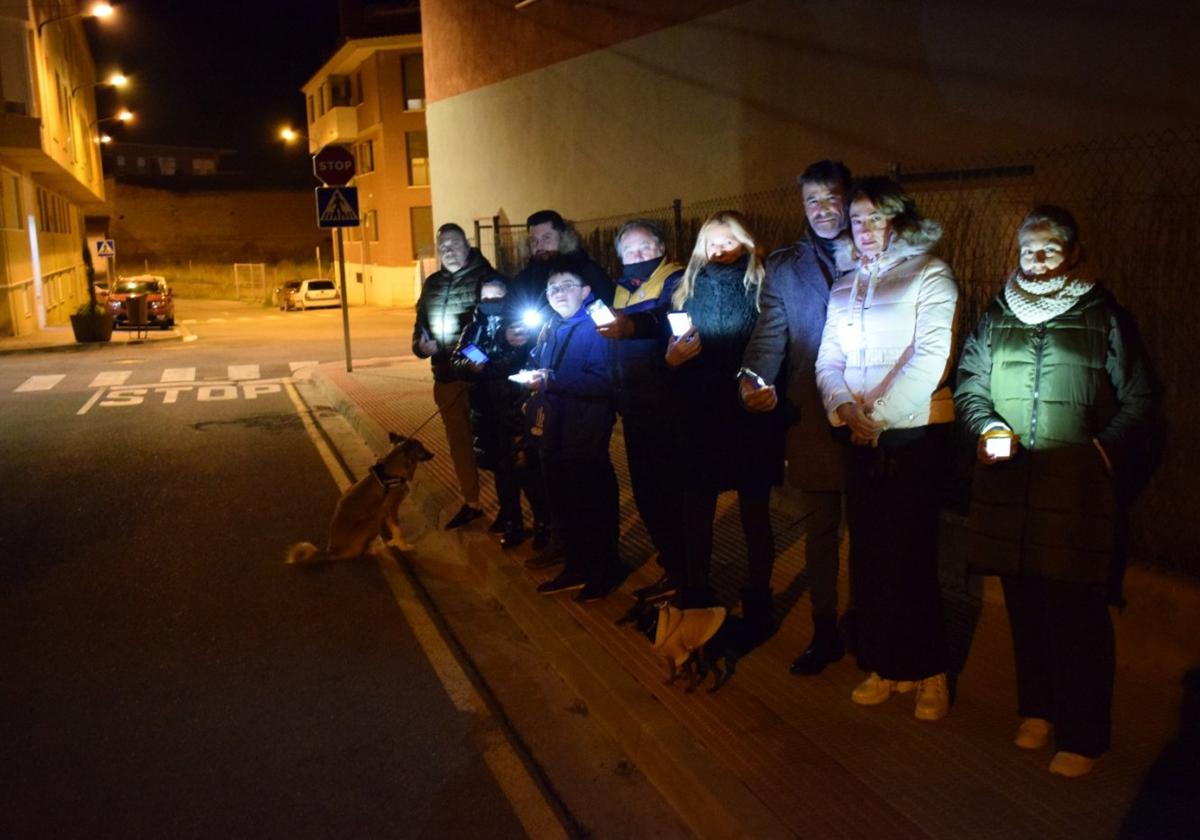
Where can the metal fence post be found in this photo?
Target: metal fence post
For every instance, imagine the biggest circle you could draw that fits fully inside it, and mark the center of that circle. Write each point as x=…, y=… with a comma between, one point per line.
x=677, y=206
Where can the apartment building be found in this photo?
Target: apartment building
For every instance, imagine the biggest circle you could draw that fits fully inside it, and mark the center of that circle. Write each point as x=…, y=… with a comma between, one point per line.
x=51, y=182
x=370, y=96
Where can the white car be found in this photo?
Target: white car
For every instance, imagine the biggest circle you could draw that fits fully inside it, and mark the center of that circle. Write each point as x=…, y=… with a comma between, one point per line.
x=316, y=293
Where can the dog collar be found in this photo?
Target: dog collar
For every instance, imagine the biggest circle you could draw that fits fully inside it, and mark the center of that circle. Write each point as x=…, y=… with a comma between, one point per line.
x=388, y=481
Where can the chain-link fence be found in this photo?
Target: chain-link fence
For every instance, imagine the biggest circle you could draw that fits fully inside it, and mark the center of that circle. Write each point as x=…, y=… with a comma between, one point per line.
x=1138, y=206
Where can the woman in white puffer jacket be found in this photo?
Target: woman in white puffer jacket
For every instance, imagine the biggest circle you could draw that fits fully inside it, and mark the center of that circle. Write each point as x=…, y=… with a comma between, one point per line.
x=882, y=371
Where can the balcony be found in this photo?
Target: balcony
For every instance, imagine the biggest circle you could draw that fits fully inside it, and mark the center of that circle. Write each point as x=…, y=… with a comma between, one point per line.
x=18, y=131
x=337, y=125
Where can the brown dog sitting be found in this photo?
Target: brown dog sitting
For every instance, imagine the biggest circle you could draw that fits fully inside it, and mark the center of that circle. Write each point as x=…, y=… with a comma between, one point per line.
x=369, y=508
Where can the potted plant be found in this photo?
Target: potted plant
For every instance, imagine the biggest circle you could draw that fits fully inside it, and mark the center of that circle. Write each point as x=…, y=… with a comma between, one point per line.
x=92, y=321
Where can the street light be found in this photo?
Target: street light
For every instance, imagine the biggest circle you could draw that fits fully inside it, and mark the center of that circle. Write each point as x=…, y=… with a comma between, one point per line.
x=117, y=80
x=289, y=135
x=124, y=115
x=105, y=139
x=96, y=10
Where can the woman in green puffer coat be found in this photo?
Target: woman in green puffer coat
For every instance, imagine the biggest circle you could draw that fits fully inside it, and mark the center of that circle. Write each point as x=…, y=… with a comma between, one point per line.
x=1053, y=387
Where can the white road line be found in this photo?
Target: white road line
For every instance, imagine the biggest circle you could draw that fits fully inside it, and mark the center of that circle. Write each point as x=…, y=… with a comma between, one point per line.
x=535, y=814
x=216, y=320
x=243, y=372
x=189, y=321
x=87, y=406
x=40, y=383
x=187, y=374
x=295, y=366
x=111, y=377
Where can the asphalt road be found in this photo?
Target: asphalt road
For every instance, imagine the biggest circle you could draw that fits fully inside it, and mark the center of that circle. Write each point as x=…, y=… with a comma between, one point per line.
x=164, y=674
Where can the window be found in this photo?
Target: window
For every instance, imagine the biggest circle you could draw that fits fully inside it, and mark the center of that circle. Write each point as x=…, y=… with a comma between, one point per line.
x=418, y=158
x=311, y=116
x=120, y=161
x=11, y=215
x=421, y=219
x=371, y=225
x=141, y=162
x=204, y=166
x=54, y=212
x=413, y=68
x=339, y=90
x=366, y=157
x=166, y=166
x=358, y=89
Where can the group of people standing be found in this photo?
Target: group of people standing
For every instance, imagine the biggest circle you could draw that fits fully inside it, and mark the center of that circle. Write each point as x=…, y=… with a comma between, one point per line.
x=830, y=365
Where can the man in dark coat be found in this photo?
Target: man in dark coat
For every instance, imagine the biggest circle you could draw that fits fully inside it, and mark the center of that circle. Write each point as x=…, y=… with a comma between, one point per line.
x=551, y=236
x=446, y=306
x=794, y=298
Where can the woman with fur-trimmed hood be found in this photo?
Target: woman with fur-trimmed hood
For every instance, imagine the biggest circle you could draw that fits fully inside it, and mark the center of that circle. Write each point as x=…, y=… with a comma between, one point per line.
x=881, y=370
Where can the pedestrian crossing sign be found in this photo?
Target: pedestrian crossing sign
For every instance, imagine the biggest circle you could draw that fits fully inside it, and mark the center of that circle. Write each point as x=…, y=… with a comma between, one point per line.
x=106, y=248
x=337, y=207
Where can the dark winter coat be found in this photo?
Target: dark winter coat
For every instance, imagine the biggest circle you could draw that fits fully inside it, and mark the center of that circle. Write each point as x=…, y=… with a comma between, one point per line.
x=577, y=399
x=642, y=372
x=496, y=416
x=445, y=307
x=786, y=339
x=1050, y=511
x=723, y=446
x=528, y=288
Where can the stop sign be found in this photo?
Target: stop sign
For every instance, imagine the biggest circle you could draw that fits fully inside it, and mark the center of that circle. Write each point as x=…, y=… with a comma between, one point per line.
x=334, y=166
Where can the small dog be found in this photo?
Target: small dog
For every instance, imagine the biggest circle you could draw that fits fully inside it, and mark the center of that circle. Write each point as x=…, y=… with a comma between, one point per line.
x=691, y=642
x=369, y=508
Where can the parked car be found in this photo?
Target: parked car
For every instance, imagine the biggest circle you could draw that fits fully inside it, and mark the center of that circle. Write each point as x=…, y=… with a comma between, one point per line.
x=160, y=303
x=315, y=293
x=285, y=295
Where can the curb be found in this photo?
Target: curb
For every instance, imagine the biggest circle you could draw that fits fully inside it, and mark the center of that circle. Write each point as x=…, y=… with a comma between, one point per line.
x=710, y=799
x=178, y=333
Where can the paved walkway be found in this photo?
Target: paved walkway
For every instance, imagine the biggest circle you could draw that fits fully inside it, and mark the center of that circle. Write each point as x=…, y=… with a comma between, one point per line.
x=776, y=755
x=55, y=337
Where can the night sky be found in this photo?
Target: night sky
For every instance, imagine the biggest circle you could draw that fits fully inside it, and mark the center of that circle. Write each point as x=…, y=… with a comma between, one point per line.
x=215, y=72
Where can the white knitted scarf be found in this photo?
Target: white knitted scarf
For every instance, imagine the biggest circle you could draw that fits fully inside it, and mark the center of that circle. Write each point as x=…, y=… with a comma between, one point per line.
x=1036, y=300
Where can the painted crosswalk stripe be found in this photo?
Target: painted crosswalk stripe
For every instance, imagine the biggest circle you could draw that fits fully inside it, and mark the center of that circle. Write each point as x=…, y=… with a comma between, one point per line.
x=243, y=371
x=187, y=374
x=111, y=377
x=295, y=366
x=41, y=383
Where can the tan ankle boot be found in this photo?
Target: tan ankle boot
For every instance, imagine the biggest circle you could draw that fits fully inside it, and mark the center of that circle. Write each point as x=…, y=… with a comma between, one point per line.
x=1033, y=734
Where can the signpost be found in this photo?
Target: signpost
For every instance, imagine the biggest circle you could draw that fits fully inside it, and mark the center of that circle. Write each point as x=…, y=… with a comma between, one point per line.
x=337, y=207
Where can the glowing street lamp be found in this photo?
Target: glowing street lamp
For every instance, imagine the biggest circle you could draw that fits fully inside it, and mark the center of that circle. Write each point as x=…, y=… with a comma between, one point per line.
x=289, y=135
x=117, y=80
x=105, y=139
x=124, y=115
x=97, y=10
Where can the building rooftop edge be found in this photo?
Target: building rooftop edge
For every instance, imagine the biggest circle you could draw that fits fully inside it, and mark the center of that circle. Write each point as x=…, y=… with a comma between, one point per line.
x=354, y=50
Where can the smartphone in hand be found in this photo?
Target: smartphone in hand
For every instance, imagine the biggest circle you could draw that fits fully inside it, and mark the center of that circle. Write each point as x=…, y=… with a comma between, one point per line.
x=600, y=313
x=680, y=323
x=475, y=354
x=754, y=379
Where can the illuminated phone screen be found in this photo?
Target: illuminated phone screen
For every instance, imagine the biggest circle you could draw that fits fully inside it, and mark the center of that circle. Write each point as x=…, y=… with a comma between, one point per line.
x=680, y=323
x=475, y=354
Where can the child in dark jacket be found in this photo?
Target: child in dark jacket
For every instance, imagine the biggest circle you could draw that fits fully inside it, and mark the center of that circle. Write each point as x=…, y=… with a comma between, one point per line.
x=572, y=409
x=496, y=420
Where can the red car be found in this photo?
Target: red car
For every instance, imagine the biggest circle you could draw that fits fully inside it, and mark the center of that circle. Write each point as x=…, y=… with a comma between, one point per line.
x=160, y=310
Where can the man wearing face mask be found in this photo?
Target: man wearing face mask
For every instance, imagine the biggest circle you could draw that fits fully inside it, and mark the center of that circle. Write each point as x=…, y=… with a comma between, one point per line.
x=447, y=302
x=794, y=299
x=648, y=279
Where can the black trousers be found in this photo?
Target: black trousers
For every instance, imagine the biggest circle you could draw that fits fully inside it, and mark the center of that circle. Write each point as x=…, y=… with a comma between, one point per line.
x=650, y=452
x=583, y=498
x=892, y=502
x=697, y=514
x=516, y=471
x=1063, y=645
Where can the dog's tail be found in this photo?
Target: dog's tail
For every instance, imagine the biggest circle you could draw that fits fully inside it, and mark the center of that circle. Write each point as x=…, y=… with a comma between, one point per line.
x=304, y=553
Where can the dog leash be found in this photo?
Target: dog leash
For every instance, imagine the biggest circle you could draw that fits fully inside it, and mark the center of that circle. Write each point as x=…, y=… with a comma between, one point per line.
x=436, y=412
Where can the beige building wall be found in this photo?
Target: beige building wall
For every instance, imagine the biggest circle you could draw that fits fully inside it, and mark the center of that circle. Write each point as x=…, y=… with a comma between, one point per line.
x=50, y=174
x=740, y=99
x=375, y=114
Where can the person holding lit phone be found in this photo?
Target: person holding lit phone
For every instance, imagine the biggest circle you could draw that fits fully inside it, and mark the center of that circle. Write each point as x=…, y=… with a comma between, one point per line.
x=1053, y=389
x=881, y=369
x=720, y=446
x=486, y=359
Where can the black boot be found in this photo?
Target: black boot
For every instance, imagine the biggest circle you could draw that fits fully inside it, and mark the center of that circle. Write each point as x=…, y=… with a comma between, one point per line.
x=825, y=647
x=757, y=623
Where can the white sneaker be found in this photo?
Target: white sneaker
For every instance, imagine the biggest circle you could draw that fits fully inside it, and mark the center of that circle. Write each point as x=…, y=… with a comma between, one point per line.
x=1033, y=734
x=872, y=691
x=933, y=698
x=1072, y=765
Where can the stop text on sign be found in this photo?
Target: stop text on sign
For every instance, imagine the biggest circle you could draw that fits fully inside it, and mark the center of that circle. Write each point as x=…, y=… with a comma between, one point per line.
x=334, y=165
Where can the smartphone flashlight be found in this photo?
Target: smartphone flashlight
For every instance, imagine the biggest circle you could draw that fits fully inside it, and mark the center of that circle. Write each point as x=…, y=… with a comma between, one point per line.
x=999, y=446
x=531, y=318
x=680, y=323
x=523, y=377
x=475, y=354
x=600, y=313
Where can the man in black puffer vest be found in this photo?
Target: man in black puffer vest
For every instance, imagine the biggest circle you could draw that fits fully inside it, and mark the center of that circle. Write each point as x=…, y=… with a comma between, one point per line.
x=446, y=306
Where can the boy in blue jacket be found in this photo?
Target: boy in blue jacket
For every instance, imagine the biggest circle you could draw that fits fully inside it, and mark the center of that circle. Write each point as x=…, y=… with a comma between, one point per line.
x=572, y=408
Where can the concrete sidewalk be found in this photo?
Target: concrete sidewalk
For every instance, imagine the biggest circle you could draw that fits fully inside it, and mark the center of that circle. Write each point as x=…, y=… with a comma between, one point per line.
x=775, y=755
x=60, y=338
